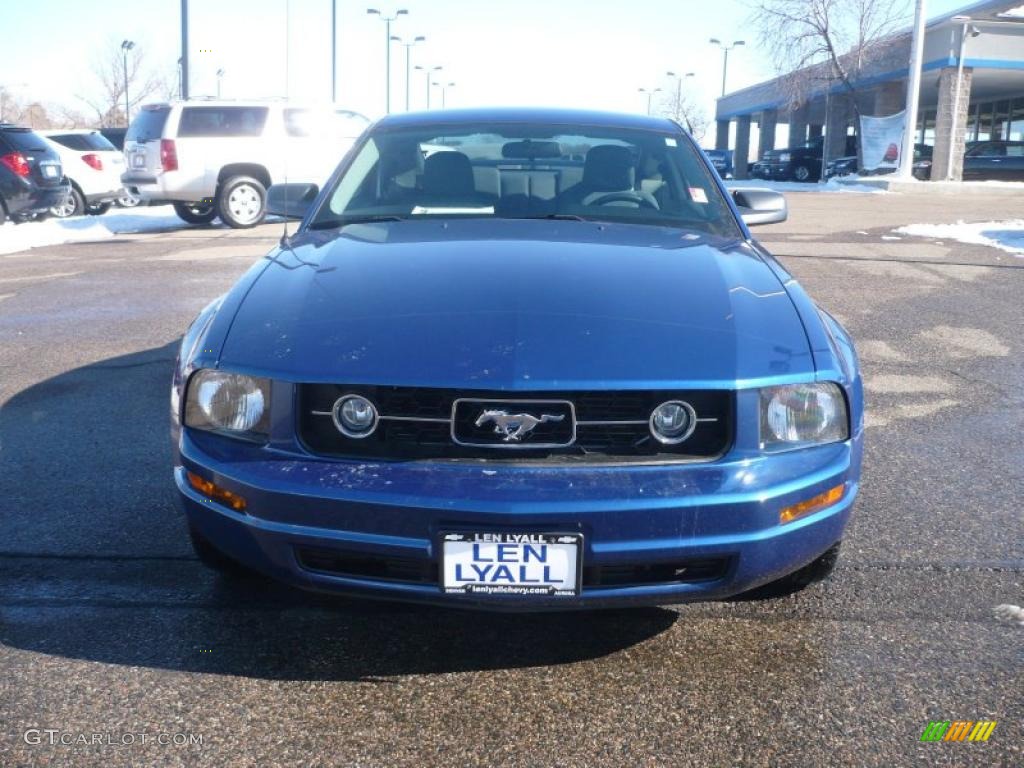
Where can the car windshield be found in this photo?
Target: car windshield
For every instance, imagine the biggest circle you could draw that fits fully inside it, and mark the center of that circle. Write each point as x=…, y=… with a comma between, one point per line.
x=527, y=170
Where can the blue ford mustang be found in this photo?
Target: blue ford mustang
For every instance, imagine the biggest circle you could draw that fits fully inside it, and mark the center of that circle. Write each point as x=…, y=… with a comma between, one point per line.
x=520, y=359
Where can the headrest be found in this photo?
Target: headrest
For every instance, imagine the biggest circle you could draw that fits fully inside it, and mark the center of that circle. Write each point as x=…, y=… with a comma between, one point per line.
x=608, y=168
x=448, y=174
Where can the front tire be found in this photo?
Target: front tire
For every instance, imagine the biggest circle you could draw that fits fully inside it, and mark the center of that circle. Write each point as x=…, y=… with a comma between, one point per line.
x=242, y=202
x=212, y=557
x=815, y=571
x=802, y=173
x=72, y=205
x=98, y=210
x=196, y=213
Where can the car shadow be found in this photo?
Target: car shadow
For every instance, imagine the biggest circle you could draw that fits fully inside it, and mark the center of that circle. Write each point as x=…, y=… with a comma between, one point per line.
x=95, y=563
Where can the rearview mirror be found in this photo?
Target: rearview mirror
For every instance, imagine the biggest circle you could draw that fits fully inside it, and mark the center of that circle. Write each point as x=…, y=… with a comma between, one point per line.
x=291, y=200
x=760, y=206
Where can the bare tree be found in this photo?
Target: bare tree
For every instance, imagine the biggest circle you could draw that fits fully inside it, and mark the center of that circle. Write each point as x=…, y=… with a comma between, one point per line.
x=677, y=105
x=109, y=72
x=815, y=42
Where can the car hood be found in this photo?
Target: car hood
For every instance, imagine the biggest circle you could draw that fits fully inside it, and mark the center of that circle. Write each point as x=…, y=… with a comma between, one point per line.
x=507, y=304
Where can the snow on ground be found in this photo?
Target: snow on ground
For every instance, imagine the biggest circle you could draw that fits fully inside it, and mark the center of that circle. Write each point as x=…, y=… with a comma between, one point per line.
x=832, y=185
x=1005, y=235
x=119, y=221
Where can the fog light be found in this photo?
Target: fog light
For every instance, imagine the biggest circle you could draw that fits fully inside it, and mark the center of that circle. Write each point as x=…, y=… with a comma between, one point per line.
x=673, y=422
x=813, y=504
x=215, y=492
x=355, y=416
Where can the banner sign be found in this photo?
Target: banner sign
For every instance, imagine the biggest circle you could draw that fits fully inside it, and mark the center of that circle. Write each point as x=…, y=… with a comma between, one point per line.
x=881, y=141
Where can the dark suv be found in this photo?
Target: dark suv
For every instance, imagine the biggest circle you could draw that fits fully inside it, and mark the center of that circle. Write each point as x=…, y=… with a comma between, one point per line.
x=31, y=177
x=801, y=163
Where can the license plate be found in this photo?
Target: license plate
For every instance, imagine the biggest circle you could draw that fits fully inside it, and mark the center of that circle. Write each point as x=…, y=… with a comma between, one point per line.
x=538, y=564
x=49, y=171
x=138, y=161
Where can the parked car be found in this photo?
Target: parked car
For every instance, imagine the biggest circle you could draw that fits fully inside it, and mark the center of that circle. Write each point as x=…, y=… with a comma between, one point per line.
x=550, y=368
x=93, y=166
x=801, y=163
x=722, y=160
x=31, y=177
x=994, y=161
x=842, y=166
x=115, y=136
x=845, y=166
x=217, y=158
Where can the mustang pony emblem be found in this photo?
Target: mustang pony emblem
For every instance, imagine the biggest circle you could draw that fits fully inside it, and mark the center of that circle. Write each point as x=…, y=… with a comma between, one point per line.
x=514, y=426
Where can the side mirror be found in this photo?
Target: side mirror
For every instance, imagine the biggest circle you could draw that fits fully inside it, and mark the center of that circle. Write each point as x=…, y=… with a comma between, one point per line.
x=760, y=206
x=291, y=200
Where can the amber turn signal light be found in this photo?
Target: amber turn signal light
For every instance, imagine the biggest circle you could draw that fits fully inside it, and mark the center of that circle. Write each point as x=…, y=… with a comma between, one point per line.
x=813, y=504
x=216, y=493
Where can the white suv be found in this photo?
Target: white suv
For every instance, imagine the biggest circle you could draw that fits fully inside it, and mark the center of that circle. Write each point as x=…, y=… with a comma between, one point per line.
x=217, y=158
x=93, y=166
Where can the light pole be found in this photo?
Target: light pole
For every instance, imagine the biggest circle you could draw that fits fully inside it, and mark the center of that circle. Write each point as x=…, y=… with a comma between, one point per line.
x=387, y=50
x=428, y=72
x=184, y=50
x=220, y=76
x=408, y=56
x=444, y=91
x=650, y=93
x=725, y=58
x=334, y=51
x=126, y=45
x=679, y=97
x=906, y=168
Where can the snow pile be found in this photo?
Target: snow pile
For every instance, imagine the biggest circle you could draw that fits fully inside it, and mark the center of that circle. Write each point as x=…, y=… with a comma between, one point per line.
x=35, y=234
x=832, y=185
x=1005, y=235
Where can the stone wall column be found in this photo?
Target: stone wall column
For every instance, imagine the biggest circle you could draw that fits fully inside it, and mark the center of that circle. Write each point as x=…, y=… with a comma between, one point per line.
x=721, y=134
x=798, y=119
x=741, y=156
x=840, y=112
x=766, y=123
x=950, y=128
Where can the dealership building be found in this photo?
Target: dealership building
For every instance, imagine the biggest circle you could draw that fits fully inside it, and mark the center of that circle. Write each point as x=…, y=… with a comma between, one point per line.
x=972, y=89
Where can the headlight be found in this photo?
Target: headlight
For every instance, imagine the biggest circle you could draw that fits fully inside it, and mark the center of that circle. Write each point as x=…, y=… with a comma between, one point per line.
x=228, y=402
x=800, y=415
x=784, y=157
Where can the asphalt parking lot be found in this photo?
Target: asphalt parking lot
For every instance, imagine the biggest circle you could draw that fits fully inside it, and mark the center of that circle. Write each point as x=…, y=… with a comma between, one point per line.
x=109, y=626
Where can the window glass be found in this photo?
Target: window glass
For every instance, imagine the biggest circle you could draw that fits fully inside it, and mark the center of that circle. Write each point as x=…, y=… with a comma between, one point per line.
x=148, y=125
x=83, y=142
x=222, y=121
x=1015, y=150
x=526, y=170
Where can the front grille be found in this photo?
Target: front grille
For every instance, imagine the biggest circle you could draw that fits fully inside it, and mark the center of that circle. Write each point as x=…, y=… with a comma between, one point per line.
x=609, y=426
x=407, y=570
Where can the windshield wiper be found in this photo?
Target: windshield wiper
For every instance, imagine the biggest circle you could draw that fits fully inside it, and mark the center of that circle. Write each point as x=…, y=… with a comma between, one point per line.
x=343, y=221
x=552, y=217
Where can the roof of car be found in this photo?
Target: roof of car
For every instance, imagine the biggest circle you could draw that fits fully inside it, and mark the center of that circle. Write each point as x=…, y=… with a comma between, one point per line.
x=530, y=115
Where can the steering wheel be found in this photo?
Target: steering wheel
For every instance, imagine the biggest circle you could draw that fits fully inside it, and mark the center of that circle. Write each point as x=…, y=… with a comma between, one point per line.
x=640, y=199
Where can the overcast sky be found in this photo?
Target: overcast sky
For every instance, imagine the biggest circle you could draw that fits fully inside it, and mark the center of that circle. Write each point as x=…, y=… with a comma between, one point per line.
x=579, y=53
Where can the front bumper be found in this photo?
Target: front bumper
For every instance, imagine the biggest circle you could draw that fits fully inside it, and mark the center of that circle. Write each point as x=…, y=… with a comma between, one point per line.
x=629, y=515
x=772, y=171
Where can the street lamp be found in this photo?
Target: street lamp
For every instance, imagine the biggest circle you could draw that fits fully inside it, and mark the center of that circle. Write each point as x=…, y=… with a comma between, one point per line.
x=387, y=50
x=444, y=91
x=408, y=54
x=650, y=93
x=428, y=72
x=126, y=45
x=220, y=75
x=725, y=58
x=679, y=96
